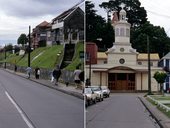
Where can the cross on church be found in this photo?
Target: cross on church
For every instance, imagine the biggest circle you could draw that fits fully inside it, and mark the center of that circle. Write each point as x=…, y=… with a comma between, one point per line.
x=122, y=5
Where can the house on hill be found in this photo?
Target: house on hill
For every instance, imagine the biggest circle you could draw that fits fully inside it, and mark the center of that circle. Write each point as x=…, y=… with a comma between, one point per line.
x=39, y=34
x=121, y=67
x=68, y=26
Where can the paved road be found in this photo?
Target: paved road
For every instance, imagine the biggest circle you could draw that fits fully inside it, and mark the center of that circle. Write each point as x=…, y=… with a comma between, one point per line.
x=25, y=104
x=119, y=111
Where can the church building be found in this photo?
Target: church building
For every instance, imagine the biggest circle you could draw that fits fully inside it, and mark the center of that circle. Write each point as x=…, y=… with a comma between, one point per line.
x=121, y=67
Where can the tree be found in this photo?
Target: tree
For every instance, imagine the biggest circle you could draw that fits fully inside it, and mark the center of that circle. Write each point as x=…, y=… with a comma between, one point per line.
x=96, y=27
x=160, y=78
x=159, y=41
x=135, y=13
x=8, y=48
x=22, y=39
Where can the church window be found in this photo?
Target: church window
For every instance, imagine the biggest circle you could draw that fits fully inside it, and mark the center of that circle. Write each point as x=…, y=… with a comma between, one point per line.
x=122, y=32
x=122, y=49
x=127, y=32
x=117, y=32
x=140, y=63
x=122, y=61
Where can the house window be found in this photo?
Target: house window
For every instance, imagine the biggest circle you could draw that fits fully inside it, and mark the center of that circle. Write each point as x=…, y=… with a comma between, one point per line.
x=74, y=35
x=151, y=63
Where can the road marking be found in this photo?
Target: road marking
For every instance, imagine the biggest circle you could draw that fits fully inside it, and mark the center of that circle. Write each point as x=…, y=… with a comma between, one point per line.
x=20, y=111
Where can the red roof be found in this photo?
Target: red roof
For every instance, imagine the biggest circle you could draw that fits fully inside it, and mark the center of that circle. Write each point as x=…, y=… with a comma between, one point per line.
x=43, y=24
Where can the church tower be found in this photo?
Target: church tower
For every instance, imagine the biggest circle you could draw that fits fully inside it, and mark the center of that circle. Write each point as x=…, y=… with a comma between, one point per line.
x=122, y=52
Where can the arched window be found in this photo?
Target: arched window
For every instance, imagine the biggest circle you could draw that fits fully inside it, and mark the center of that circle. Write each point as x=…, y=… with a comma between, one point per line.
x=117, y=32
x=122, y=32
x=127, y=32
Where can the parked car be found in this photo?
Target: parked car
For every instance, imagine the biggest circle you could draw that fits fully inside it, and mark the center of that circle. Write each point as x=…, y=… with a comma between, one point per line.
x=90, y=96
x=106, y=91
x=98, y=91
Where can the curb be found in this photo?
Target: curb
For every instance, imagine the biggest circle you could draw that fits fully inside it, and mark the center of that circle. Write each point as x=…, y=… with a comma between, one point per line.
x=153, y=115
x=72, y=93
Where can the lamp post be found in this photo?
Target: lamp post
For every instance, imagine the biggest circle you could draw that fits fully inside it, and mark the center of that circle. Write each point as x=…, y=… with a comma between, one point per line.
x=149, y=66
x=5, y=56
x=29, y=46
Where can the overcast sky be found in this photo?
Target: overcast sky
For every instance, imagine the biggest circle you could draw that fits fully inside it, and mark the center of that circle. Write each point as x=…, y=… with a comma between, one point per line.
x=17, y=15
x=157, y=12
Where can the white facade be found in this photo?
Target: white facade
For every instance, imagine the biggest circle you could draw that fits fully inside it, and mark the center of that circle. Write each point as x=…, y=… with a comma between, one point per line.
x=120, y=70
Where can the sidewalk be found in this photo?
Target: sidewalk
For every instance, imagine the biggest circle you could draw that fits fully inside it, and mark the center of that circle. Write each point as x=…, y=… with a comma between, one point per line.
x=70, y=90
x=162, y=119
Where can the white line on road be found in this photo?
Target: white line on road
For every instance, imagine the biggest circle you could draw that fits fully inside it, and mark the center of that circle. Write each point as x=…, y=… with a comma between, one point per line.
x=20, y=111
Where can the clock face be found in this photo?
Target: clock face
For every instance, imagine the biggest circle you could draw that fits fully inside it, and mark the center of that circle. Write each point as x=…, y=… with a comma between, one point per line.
x=122, y=49
x=122, y=61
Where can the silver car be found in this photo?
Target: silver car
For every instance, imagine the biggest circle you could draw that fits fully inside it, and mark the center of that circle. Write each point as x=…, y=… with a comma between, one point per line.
x=98, y=91
x=90, y=96
x=106, y=91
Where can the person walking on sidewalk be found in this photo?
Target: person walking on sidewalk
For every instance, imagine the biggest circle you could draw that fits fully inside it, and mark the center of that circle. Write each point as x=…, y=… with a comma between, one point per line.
x=28, y=71
x=37, y=73
x=56, y=74
x=76, y=77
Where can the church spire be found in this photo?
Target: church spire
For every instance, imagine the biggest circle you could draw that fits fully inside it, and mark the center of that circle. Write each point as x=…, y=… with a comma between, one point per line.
x=122, y=14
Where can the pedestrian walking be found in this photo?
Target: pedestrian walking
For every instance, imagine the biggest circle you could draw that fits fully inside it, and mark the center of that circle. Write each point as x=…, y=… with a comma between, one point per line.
x=28, y=70
x=76, y=77
x=15, y=68
x=56, y=74
x=37, y=73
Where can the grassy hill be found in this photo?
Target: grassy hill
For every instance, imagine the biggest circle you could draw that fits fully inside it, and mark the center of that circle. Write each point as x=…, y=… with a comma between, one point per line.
x=45, y=57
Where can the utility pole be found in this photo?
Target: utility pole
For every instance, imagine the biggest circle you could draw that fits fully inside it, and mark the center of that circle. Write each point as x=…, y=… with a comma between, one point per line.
x=149, y=66
x=5, y=56
x=29, y=46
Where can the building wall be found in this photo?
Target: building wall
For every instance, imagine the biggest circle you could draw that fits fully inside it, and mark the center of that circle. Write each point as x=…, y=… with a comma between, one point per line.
x=140, y=85
x=91, y=52
x=130, y=59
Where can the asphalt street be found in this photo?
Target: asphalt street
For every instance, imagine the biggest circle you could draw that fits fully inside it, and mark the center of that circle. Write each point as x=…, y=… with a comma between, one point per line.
x=26, y=104
x=119, y=111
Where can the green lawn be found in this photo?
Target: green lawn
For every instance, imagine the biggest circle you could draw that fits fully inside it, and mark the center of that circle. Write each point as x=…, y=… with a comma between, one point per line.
x=44, y=57
x=161, y=97
x=159, y=108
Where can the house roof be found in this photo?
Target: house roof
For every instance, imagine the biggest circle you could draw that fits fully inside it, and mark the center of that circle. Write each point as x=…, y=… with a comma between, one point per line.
x=144, y=56
x=167, y=56
x=43, y=24
x=101, y=55
x=63, y=15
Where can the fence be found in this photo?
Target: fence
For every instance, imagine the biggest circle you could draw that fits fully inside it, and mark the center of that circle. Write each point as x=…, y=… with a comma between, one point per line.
x=66, y=76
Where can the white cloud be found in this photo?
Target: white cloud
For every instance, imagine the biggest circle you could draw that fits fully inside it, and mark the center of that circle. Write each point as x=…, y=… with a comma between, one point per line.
x=17, y=15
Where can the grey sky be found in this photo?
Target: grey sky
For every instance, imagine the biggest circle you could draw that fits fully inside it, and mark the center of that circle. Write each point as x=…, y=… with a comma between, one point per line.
x=17, y=15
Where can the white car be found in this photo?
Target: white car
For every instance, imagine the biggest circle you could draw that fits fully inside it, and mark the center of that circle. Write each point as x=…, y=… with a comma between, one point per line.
x=98, y=91
x=106, y=91
x=90, y=96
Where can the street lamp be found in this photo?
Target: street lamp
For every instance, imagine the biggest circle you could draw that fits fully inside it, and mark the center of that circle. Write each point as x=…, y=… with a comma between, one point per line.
x=5, y=56
x=29, y=46
x=149, y=66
